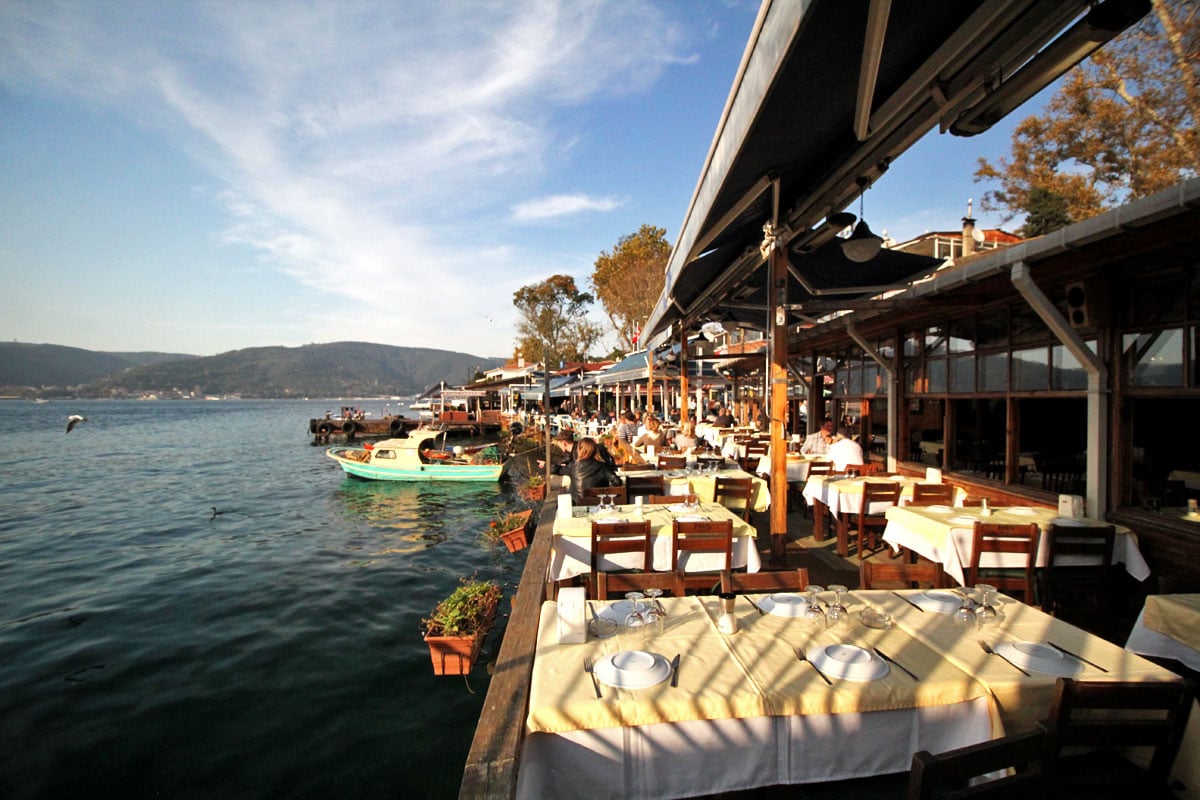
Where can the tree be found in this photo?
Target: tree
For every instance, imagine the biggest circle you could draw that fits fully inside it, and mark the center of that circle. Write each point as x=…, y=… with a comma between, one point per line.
x=629, y=280
x=1045, y=212
x=552, y=323
x=1122, y=125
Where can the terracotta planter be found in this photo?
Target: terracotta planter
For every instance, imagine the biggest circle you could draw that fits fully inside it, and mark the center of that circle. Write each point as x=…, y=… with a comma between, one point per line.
x=515, y=540
x=454, y=655
x=533, y=494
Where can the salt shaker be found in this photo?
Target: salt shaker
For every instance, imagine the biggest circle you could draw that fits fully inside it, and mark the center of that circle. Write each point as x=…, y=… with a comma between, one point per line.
x=984, y=510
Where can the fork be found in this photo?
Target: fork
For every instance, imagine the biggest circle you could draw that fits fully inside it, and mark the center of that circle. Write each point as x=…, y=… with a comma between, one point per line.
x=590, y=668
x=801, y=655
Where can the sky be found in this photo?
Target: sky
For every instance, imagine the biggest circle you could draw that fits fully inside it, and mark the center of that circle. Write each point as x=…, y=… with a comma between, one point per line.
x=200, y=177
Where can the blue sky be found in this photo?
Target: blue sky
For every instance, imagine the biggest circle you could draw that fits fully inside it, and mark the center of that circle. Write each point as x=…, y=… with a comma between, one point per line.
x=202, y=177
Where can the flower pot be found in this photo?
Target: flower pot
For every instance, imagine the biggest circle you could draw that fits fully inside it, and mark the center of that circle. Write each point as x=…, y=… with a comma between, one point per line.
x=515, y=540
x=454, y=655
x=533, y=494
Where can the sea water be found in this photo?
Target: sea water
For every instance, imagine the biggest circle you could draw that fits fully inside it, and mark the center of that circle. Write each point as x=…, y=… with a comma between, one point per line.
x=150, y=647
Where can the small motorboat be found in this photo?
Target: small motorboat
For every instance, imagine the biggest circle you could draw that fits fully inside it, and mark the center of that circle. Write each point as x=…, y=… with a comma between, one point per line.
x=421, y=456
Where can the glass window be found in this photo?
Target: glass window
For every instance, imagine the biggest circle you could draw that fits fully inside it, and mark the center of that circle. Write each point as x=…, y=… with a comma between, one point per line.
x=993, y=373
x=935, y=342
x=1154, y=358
x=925, y=426
x=962, y=374
x=1027, y=328
x=877, y=441
x=992, y=330
x=1031, y=370
x=1155, y=299
x=1065, y=370
x=962, y=336
x=1053, y=444
x=914, y=378
x=854, y=381
x=937, y=375
x=912, y=345
x=979, y=439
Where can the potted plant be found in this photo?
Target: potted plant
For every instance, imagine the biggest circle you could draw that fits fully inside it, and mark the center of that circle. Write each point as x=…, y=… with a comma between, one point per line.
x=512, y=529
x=458, y=625
x=534, y=489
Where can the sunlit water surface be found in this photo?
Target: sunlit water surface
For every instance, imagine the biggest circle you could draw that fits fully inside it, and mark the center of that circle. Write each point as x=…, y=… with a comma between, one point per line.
x=151, y=649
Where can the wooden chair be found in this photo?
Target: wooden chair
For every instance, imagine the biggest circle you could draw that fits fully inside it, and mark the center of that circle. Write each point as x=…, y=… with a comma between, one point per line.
x=923, y=574
x=1068, y=590
x=701, y=536
x=992, y=538
x=592, y=496
x=861, y=470
x=664, y=499
x=1021, y=760
x=672, y=462
x=616, y=584
x=736, y=494
x=755, y=450
x=612, y=538
x=815, y=468
x=645, y=467
x=788, y=580
x=932, y=494
x=870, y=525
x=645, y=486
x=976, y=502
x=1110, y=715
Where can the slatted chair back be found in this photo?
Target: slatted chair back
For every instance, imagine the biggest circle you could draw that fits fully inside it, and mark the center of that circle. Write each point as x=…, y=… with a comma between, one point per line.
x=977, y=502
x=645, y=486
x=930, y=494
x=871, y=519
x=736, y=494
x=1001, y=540
x=871, y=574
x=1017, y=766
x=690, y=538
x=862, y=470
x=616, y=584
x=591, y=496
x=614, y=538
x=664, y=499
x=644, y=467
x=672, y=461
x=1117, y=714
x=820, y=468
x=1078, y=561
x=786, y=580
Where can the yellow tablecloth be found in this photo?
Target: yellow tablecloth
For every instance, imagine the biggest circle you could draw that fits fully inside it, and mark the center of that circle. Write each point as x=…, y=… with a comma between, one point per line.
x=1174, y=615
x=704, y=484
x=752, y=673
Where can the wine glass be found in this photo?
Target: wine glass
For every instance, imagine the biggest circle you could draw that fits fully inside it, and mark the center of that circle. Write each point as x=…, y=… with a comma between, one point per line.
x=837, y=611
x=635, y=618
x=965, y=615
x=814, y=613
x=985, y=613
x=654, y=615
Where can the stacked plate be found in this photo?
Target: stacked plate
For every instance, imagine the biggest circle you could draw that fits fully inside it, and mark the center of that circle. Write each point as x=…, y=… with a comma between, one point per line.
x=1021, y=511
x=937, y=509
x=633, y=669
x=942, y=601
x=848, y=662
x=963, y=521
x=784, y=604
x=1038, y=657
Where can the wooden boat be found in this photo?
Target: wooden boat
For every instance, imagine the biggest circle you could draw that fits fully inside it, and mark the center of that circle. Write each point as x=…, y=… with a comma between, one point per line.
x=418, y=457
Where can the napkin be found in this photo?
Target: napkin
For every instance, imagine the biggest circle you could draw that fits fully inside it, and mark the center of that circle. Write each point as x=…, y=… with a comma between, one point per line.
x=572, y=620
x=1070, y=506
x=564, y=506
x=933, y=475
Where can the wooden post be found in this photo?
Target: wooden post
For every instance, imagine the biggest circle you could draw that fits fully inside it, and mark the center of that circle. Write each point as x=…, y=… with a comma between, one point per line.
x=683, y=374
x=649, y=382
x=777, y=265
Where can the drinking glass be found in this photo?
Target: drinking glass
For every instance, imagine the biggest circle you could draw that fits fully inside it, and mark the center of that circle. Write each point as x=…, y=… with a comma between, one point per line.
x=814, y=613
x=693, y=502
x=965, y=615
x=837, y=611
x=635, y=618
x=986, y=613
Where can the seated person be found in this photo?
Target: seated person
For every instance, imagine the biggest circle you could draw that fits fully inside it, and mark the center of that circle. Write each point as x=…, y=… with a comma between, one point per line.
x=844, y=451
x=686, y=438
x=724, y=419
x=590, y=469
x=653, y=436
x=817, y=444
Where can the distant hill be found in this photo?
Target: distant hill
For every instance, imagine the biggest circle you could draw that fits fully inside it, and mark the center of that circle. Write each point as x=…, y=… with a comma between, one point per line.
x=339, y=369
x=38, y=365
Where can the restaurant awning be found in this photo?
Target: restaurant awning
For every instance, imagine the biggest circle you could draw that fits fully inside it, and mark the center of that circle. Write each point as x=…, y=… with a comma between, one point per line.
x=827, y=95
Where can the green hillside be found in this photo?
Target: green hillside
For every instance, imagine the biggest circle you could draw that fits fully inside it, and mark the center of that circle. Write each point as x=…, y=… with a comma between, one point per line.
x=38, y=365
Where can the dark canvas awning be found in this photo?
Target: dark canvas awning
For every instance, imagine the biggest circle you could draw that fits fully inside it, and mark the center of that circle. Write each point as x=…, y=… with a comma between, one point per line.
x=829, y=92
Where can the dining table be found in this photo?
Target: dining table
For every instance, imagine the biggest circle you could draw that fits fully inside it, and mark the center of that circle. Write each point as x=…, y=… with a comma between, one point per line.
x=687, y=710
x=703, y=482
x=1168, y=626
x=571, y=549
x=945, y=534
x=842, y=497
x=797, y=465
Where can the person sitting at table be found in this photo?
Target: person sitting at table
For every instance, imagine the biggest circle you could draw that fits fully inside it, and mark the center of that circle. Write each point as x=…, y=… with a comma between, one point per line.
x=844, y=451
x=627, y=430
x=654, y=436
x=724, y=418
x=817, y=444
x=686, y=438
x=590, y=469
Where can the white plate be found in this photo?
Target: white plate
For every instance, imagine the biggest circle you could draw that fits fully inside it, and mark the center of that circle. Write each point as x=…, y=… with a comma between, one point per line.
x=693, y=518
x=633, y=669
x=680, y=509
x=617, y=611
x=784, y=604
x=1038, y=657
x=943, y=601
x=963, y=521
x=847, y=661
x=607, y=518
x=1021, y=511
x=937, y=509
x=1068, y=522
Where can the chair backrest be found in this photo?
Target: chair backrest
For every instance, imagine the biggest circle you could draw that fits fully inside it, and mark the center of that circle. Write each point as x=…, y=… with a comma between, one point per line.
x=664, y=499
x=616, y=584
x=702, y=536
x=911, y=576
x=1001, y=539
x=1090, y=542
x=787, y=580
x=645, y=485
x=1151, y=714
x=609, y=538
x=736, y=494
x=644, y=467
x=976, y=502
x=672, y=462
x=862, y=470
x=1078, y=559
x=927, y=494
x=1021, y=760
x=876, y=493
x=820, y=467
x=592, y=495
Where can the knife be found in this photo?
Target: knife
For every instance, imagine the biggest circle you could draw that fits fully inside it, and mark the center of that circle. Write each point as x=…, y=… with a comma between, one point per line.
x=910, y=602
x=1076, y=656
x=675, y=670
x=898, y=665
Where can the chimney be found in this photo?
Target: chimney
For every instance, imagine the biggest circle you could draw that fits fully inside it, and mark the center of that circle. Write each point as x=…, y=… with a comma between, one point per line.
x=968, y=231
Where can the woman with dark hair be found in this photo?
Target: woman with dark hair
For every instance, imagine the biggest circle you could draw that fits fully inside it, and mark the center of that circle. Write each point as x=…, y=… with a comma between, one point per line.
x=589, y=469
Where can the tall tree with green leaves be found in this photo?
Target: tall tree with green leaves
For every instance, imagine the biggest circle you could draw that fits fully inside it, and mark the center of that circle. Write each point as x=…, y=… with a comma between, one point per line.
x=553, y=323
x=630, y=279
x=1122, y=125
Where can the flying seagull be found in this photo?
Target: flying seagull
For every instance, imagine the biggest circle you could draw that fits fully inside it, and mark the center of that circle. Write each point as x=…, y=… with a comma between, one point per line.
x=74, y=420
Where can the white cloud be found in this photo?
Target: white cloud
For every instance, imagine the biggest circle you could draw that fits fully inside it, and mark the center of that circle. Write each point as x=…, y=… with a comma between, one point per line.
x=561, y=205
